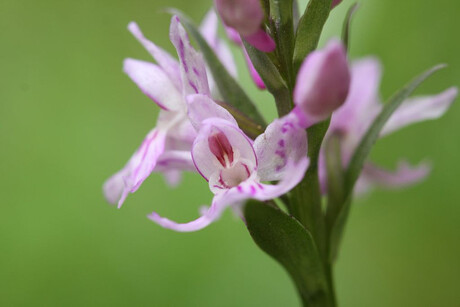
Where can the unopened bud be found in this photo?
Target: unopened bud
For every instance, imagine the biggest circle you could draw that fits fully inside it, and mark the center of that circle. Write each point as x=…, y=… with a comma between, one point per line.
x=323, y=82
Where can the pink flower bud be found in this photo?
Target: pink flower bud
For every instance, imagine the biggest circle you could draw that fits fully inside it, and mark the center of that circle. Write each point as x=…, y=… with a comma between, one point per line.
x=245, y=16
x=323, y=82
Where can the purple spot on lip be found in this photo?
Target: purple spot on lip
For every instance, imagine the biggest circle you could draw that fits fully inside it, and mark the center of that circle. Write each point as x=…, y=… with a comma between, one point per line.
x=281, y=154
x=253, y=190
x=240, y=189
x=195, y=70
x=281, y=143
x=286, y=126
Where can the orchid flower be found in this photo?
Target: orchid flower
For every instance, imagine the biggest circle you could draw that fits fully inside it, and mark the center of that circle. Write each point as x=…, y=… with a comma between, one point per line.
x=235, y=166
x=362, y=106
x=246, y=17
x=167, y=147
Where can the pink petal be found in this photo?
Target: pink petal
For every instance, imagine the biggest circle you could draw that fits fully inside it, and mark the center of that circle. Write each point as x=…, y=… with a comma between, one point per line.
x=193, y=69
x=253, y=72
x=201, y=107
x=154, y=83
x=233, y=35
x=404, y=175
x=245, y=16
x=323, y=81
x=219, y=203
x=419, y=109
x=283, y=142
x=137, y=169
x=204, y=159
x=169, y=65
x=261, y=40
x=236, y=197
x=362, y=103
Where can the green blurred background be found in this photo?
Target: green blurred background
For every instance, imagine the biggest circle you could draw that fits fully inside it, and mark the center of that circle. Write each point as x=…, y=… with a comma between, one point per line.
x=69, y=118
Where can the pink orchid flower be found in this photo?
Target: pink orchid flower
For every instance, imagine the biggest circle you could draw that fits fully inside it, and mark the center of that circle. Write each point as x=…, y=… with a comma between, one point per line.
x=246, y=17
x=235, y=166
x=362, y=106
x=167, y=147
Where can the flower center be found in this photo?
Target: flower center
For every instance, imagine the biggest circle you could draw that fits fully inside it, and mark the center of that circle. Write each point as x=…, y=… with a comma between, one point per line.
x=234, y=175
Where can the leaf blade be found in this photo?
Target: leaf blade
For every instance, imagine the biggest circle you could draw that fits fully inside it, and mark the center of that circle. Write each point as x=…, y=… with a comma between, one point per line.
x=288, y=242
x=309, y=30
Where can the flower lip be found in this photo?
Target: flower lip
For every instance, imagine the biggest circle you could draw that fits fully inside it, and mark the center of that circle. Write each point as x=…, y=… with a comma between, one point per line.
x=221, y=145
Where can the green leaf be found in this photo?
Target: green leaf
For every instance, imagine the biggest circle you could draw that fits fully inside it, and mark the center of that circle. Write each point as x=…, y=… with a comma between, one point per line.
x=347, y=24
x=231, y=92
x=272, y=79
x=362, y=152
x=309, y=30
x=282, y=25
x=288, y=242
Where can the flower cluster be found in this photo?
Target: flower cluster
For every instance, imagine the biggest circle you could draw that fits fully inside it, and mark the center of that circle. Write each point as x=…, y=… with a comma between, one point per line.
x=194, y=132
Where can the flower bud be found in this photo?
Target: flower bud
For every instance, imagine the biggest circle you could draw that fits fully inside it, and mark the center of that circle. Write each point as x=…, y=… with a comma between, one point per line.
x=323, y=82
x=246, y=17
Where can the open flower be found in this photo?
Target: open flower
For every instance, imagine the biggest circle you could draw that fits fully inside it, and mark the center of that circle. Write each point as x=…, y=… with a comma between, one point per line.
x=235, y=166
x=246, y=17
x=167, y=147
x=362, y=106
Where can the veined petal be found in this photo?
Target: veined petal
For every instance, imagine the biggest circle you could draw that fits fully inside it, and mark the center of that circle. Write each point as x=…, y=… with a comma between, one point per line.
x=419, y=109
x=137, y=169
x=203, y=154
x=404, y=175
x=163, y=58
x=201, y=107
x=236, y=197
x=261, y=40
x=193, y=69
x=154, y=83
x=282, y=142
